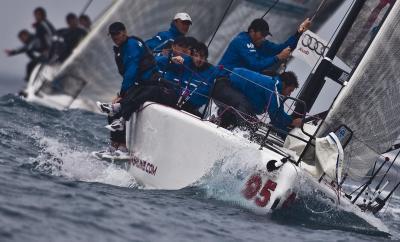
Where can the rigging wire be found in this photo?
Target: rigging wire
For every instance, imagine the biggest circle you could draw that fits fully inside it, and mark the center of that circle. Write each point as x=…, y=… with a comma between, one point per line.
x=372, y=149
x=329, y=42
x=390, y=199
x=220, y=22
x=273, y=5
x=319, y=8
x=387, y=171
x=230, y=71
x=220, y=67
x=85, y=8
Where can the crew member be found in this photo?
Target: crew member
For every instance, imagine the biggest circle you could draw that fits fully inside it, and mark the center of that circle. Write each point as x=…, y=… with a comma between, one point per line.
x=192, y=76
x=71, y=35
x=44, y=30
x=264, y=94
x=179, y=27
x=137, y=66
x=252, y=51
x=85, y=22
x=32, y=48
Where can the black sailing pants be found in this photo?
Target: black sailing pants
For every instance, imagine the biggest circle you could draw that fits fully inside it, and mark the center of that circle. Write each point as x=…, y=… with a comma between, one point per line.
x=229, y=96
x=136, y=97
x=153, y=93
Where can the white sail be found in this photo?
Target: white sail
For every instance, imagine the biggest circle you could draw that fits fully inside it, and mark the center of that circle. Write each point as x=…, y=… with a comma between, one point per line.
x=369, y=104
x=90, y=73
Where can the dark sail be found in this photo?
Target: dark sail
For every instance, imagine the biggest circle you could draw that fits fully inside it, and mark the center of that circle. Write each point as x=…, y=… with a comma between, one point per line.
x=364, y=28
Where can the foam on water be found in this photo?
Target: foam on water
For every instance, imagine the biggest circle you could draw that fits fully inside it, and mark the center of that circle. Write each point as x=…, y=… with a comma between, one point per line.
x=60, y=159
x=59, y=143
x=225, y=182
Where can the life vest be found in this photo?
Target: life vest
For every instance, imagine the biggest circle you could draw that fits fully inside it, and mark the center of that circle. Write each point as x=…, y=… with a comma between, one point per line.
x=146, y=62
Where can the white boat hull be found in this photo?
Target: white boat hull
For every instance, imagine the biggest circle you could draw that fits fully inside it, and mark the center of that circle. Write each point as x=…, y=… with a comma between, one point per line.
x=46, y=73
x=172, y=149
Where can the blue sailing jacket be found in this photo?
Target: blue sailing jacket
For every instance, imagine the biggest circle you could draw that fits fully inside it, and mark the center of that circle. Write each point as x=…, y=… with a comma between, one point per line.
x=157, y=42
x=241, y=52
x=187, y=75
x=261, y=93
x=132, y=52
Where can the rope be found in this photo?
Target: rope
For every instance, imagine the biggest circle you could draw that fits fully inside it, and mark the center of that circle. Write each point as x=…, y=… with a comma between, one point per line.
x=221, y=67
x=241, y=115
x=220, y=22
x=245, y=78
x=145, y=106
x=266, y=89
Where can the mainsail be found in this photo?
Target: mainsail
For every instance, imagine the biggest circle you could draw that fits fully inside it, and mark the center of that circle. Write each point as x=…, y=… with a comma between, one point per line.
x=90, y=73
x=369, y=104
x=363, y=30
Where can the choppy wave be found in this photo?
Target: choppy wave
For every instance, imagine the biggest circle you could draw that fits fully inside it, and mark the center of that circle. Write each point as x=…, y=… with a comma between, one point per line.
x=225, y=180
x=58, y=159
x=45, y=153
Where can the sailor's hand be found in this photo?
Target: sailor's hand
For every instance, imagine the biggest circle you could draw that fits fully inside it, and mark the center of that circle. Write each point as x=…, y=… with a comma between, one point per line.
x=297, y=122
x=304, y=26
x=8, y=52
x=284, y=54
x=177, y=59
x=116, y=99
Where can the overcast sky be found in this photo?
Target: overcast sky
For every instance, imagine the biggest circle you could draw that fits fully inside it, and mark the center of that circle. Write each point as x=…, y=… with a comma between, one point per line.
x=16, y=15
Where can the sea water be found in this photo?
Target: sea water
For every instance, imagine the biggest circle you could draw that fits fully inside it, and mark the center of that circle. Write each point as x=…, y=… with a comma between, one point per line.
x=51, y=189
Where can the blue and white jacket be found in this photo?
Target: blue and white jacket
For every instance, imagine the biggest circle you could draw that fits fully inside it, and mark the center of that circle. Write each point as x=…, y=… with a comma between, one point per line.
x=157, y=42
x=262, y=97
x=129, y=58
x=241, y=52
x=187, y=75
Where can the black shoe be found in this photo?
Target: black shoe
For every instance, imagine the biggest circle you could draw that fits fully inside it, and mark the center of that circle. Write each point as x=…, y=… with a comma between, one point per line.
x=105, y=108
x=116, y=125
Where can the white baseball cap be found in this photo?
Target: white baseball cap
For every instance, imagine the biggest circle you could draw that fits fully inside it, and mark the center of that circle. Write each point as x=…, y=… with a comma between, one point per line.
x=183, y=17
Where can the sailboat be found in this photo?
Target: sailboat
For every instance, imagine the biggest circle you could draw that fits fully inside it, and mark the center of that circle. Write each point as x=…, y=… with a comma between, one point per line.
x=171, y=149
x=89, y=74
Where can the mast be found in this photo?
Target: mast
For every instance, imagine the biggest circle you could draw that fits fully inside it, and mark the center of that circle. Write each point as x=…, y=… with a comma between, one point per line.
x=314, y=86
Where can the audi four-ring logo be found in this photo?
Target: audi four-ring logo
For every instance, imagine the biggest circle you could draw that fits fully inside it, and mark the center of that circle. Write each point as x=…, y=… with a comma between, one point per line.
x=314, y=44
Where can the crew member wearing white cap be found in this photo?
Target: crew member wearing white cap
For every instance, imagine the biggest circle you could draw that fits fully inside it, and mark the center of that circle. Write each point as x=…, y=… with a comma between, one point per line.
x=179, y=27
